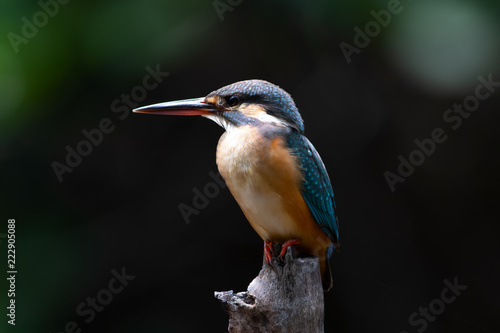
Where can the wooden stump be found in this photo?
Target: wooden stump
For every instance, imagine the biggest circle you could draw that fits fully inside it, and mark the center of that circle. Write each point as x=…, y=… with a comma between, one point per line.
x=285, y=297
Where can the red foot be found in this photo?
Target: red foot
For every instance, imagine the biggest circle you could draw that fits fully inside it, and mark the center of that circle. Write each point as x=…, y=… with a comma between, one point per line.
x=287, y=244
x=268, y=249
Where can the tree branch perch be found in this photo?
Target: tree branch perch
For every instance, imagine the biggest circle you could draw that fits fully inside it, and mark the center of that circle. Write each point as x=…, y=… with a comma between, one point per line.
x=285, y=297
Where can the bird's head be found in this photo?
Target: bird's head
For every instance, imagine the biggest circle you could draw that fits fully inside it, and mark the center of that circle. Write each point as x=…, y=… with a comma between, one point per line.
x=250, y=102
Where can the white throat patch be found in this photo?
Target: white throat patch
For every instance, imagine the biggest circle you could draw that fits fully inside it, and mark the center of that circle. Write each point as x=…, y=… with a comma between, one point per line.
x=221, y=121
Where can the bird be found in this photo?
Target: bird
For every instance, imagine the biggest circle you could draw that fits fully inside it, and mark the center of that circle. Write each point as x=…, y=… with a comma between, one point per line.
x=272, y=170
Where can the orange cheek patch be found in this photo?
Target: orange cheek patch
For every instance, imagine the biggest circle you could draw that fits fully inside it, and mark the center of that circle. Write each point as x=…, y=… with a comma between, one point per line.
x=252, y=110
x=212, y=100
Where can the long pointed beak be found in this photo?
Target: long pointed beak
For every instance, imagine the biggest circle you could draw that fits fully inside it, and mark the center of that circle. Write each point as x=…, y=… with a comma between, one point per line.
x=185, y=107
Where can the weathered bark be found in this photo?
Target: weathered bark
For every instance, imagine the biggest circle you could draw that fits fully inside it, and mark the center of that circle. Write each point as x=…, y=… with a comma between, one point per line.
x=285, y=297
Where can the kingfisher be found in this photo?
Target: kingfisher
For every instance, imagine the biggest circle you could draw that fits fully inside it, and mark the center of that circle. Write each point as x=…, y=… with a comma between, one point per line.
x=272, y=170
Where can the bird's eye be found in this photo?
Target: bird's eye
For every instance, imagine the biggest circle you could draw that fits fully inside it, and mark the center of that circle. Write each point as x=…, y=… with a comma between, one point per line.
x=233, y=100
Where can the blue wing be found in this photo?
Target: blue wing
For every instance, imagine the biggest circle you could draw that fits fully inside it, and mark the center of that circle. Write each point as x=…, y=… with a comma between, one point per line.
x=317, y=190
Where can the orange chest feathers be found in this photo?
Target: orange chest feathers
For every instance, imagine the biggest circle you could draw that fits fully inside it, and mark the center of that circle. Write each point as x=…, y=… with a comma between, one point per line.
x=246, y=157
x=264, y=178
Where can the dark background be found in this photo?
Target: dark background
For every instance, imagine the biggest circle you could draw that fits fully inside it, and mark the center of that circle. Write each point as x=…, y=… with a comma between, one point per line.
x=119, y=207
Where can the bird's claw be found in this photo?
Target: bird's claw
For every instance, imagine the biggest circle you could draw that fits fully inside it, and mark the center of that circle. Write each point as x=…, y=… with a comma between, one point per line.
x=268, y=250
x=287, y=244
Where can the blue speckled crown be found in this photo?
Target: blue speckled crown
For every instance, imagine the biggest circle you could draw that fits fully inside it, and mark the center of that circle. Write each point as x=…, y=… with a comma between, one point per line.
x=273, y=99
